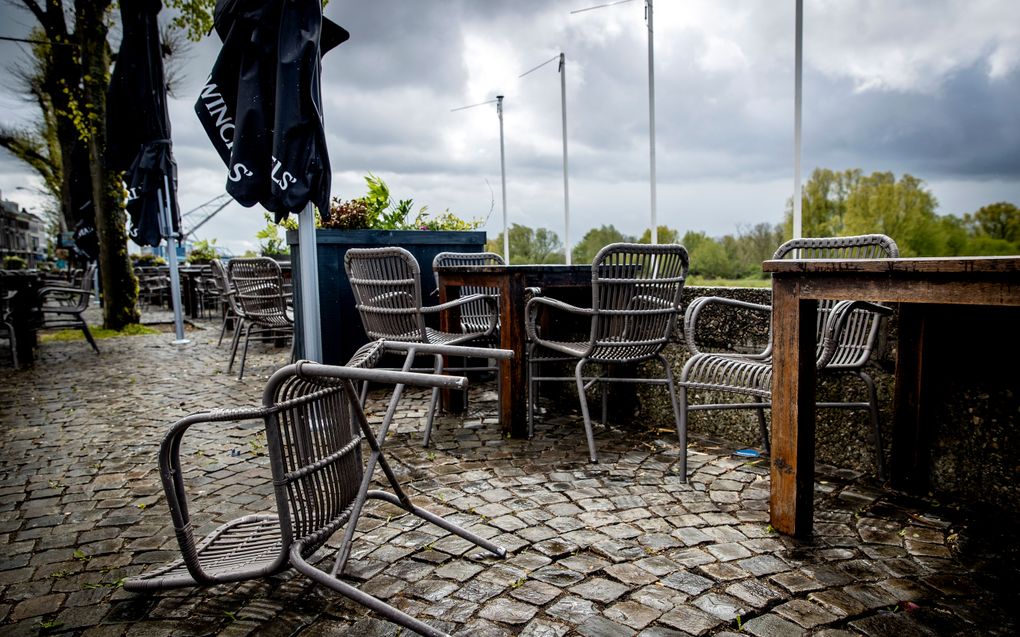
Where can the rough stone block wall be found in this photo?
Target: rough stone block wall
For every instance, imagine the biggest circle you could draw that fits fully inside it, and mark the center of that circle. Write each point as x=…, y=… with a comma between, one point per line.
x=975, y=446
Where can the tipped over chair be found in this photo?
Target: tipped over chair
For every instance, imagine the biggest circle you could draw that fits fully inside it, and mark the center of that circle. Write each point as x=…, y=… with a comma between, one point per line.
x=635, y=302
x=316, y=432
x=846, y=336
x=387, y=291
x=258, y=290
x=62, y=306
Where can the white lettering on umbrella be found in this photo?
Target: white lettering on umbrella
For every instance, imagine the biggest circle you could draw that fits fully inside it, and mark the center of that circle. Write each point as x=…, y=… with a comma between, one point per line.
x=217, y=108
x=283, y=180
x=237, y=171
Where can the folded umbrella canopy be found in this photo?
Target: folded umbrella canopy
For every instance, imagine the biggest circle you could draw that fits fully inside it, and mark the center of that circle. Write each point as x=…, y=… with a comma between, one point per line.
x=138, y=137
x=138, y=126
x=261, y=106
x=262, y=109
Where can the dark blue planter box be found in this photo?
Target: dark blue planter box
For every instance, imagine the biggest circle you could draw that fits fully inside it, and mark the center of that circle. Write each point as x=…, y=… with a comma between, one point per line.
x=342, y=333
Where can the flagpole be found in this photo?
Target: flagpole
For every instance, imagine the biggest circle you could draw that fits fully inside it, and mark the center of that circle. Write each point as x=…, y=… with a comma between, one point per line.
x=798, y=63
x=651, y=122
x=311, y=330
x=502, y=172
x=166, y=218
x=566, y=182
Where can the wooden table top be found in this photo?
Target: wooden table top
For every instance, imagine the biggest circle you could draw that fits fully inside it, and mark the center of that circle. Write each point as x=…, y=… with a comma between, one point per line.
x=920, y=265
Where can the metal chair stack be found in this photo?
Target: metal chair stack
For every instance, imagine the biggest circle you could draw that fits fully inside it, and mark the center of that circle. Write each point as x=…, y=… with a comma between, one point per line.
x=847, y=332
x=316, y=432
x=635, y=303
x=258, y=291
x=387, y=290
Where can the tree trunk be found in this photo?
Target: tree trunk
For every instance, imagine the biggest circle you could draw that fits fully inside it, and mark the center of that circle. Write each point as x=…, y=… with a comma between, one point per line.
x=119, y=286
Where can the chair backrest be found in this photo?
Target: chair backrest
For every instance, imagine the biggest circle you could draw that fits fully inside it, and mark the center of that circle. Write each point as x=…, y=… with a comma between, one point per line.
x=258, y=286
x=313, y=430
x=474, y=316
x=636, y=298
x=387, y=291
x=85, y=285
x=859, y=337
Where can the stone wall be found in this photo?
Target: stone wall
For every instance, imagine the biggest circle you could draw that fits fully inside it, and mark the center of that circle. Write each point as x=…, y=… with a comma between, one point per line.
x=975, y=449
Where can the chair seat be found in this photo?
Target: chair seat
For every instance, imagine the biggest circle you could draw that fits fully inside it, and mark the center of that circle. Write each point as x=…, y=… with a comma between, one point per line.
x=240, y=549
x=737, y=373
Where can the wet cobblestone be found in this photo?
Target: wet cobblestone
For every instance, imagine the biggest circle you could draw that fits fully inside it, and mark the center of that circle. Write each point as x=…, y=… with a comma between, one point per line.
x=622, y=547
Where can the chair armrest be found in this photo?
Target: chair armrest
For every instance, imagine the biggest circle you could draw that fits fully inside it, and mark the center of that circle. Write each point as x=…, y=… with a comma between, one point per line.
x=835, y=327
x=172, y=477
x=694, y=310
x=488, y=299
x=532, y=307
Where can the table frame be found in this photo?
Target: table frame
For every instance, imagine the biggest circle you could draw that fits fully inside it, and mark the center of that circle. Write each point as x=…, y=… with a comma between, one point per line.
x=512, y=281
x=797, y=286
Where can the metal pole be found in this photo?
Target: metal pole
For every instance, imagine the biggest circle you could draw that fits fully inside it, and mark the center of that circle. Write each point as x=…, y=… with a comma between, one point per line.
x=311, y=330
x=171, y=257
x=651, y=118
x=502, y=169
x=566, y=182
x=797, y=65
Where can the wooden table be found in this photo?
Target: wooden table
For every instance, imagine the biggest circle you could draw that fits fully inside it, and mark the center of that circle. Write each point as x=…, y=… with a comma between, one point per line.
x=24, y=306
x=917, y=284
x=511, y=281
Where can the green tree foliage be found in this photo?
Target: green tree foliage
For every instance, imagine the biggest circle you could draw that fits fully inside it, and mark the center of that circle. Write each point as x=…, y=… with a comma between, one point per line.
x=596, y=239
x=528, y=246
x=665, y=235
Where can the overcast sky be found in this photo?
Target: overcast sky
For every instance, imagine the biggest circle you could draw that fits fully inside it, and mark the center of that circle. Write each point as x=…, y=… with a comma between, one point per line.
x=928, y=87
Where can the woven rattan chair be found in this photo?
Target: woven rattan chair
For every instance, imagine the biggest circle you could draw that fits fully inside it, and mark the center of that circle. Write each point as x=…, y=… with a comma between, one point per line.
x=474, y=316
x=316, y=431
x=635, y=302
x=7, y=324
x=62, y=307
x=387, y=290
x=258, y=291
x=847, y=332
x=228, y=304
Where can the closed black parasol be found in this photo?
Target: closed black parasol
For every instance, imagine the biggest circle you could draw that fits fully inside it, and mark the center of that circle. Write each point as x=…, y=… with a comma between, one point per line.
x=138, y=126
x=262, y=109
x=138, y=136
x=261, y=106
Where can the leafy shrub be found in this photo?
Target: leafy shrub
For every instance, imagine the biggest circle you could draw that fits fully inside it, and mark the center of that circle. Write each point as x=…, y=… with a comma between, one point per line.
x=202, y=252
x=14, y=262
x=376, y=210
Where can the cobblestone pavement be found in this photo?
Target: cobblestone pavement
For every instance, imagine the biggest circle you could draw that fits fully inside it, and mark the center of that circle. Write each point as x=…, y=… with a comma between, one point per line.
x=618, y=548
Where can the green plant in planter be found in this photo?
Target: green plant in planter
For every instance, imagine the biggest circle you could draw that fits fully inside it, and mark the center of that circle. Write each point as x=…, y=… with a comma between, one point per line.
x=376, y=210
x=271, y=243
x=147, y=260
x=14, y=262
x=202, y=252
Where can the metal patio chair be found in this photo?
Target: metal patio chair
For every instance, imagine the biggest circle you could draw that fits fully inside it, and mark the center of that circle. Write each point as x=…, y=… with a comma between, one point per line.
x=228, y=304
x=846, y=335
x=387, y=290
x=635, y=302
x=474, y=316
x=62, y=306
x=258, y=291
x=316, y=430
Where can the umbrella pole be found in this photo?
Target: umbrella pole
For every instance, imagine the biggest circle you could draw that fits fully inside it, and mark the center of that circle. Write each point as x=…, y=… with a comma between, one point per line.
x=311, y=334
x=171, y=257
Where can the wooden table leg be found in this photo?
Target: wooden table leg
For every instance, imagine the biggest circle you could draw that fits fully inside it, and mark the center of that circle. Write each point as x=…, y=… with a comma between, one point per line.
x=793, y=409
x=911, y=445
x=513, y=413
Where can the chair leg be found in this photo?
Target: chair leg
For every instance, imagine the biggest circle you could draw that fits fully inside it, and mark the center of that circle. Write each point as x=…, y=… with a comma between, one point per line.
x=763, y=427
x=88, y=335
x=434, y=403
x=681, y=425
x=584, y=411
x=238, y=326
x=532, y=389
x=244, y=353
x=223, y=330
x=873, y=404
x=14, y=344
x=604, y=392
